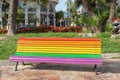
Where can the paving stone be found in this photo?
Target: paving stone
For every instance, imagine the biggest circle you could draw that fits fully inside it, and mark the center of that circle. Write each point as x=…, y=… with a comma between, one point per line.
x=110, y=70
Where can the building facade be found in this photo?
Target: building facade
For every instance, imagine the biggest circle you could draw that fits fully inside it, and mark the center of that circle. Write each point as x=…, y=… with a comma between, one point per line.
x=36, y=14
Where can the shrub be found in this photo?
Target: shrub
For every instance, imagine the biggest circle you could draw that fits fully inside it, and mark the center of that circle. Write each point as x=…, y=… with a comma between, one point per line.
x=35, y=29
x=46, y=29
x=3, y=31
x=75, y=28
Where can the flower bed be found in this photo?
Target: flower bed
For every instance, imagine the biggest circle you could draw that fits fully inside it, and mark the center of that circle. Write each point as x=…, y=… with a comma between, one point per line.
x=3, y=31
x=46, y=29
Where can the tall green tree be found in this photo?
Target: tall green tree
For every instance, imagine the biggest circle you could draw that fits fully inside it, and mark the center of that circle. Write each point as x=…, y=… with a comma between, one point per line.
x=13, y=14
x=59, y=15
x=71, y=10
x=69, y=7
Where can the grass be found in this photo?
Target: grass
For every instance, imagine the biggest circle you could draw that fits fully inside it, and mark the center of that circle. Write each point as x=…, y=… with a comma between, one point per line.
x=109, y=45
x=8, y=46
x=1, y=35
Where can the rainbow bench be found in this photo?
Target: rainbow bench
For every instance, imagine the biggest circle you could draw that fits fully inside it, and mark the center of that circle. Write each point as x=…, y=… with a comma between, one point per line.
x=59, y=50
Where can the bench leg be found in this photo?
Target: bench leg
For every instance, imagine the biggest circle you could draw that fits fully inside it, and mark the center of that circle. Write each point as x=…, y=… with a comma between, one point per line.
x=95, y=69
x=16, y=66
x=23, y=63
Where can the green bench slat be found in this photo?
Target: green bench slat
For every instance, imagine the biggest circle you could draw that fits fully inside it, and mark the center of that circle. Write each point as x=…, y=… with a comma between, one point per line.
x=58, y=55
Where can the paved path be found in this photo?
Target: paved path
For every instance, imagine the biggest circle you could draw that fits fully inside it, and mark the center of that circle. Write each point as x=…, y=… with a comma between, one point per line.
x=3, y=37
x=110, y=70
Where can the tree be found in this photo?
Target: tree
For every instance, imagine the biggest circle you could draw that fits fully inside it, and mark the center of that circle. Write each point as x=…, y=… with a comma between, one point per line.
x=112, y=10
x=20, y=16
x=88, y=7
x=13, y=14
x=69, y=7
x=88, y=4
x=99, y=8
x=59, y=15
x=12, y=17
x=71, y=10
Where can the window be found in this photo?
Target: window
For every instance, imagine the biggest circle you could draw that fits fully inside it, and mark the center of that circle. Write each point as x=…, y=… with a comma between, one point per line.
x=43, y=8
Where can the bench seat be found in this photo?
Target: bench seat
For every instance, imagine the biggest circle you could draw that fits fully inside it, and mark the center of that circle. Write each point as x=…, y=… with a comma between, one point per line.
x=58, y=50
x=57, y=60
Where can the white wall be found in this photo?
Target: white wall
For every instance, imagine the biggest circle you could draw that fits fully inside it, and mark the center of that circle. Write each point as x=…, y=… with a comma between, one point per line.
x=118, y=1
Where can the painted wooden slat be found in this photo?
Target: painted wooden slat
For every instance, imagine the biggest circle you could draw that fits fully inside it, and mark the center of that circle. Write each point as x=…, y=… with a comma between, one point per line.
x=60, y=52
x=57, y=59
x=57, y=48
x=58, y=43
x=65, y=61
x=63, y=39
x=77, y=45
x=73, y=52
x=56, y=62
x=24, y=41
x=58, y=55
x=73, y=44
x=60, y=46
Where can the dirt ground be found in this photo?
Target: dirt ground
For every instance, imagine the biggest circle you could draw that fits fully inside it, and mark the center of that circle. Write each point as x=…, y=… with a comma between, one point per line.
x=110, y=70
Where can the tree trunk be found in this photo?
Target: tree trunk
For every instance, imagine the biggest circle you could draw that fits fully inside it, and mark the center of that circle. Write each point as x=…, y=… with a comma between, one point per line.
x=112, y=10
x=101, y=26
x=88, y=7
x=12, y=17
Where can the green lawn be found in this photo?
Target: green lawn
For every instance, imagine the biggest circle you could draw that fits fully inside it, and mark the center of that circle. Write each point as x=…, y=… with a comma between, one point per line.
x=1, y=35
x=8, y=46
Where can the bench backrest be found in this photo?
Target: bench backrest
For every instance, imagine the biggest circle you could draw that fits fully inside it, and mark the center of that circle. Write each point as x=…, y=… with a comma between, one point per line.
x=60, y=45
x=89, y=48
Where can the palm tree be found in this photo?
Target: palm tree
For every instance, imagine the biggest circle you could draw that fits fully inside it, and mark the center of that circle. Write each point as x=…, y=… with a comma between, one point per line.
x=88, y=4
x=112, y=10
x=99, y=8
x=88, y=7
x=13, y=14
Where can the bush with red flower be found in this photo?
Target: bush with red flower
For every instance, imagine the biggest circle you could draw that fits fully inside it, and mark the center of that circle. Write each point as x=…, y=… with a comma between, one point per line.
x=46, y=29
